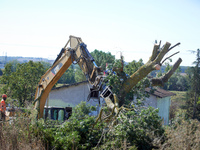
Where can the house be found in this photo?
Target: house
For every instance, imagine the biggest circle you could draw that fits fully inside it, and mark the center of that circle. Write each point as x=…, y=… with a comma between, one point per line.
x=71, y=95
x=160, y=99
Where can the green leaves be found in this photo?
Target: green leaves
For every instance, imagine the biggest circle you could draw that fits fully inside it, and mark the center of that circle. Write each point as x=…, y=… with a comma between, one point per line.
x=138, y=128
x=101, y=58
x=76, y=133
x=192, y=103
x=21, y=80
x=69, y=76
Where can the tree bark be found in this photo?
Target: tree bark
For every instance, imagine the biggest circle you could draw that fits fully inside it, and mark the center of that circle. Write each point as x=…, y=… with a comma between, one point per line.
x=153, y=63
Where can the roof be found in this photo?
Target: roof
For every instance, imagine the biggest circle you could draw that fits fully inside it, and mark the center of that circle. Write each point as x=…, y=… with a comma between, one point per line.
x=161, y=93
x=69, y=85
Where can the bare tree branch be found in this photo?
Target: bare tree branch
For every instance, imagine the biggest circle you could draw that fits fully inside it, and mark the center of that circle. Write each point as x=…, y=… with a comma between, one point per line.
x=174, y=46
x=153, y=64
x=169, y=57
x=161, y=80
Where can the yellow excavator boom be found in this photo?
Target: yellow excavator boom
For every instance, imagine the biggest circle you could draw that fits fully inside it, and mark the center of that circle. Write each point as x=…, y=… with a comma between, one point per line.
x=76, y=53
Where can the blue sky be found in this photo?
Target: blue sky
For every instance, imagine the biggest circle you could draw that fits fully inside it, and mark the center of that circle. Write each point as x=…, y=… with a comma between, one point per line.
x=40, y=28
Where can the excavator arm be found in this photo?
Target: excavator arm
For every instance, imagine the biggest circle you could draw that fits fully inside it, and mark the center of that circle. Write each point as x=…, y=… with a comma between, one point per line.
x=76, y=53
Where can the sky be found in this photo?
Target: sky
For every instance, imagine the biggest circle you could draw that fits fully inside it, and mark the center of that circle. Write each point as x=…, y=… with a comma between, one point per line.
x=41, y=28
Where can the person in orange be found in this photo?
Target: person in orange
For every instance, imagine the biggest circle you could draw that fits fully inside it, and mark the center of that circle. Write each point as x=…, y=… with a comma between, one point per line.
x=3, y=107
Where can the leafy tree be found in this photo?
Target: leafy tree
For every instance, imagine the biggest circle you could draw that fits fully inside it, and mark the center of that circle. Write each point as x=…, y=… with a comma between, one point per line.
x=115, y=80
x=133, y=66
x=79, y=75
x=46, y=65
x=1, y=72
x=135, y=130
x=76, y=133
x=68, y=77
x=176, y=82
x=75, y=74
x=193, y=95
x=8, y=70
x=21, y=84
x=182, y=83
x=101, y=58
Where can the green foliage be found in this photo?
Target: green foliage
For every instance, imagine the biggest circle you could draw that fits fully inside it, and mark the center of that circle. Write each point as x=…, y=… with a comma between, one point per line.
x=140, y=129
x=16, y=134
x=167, y=65
x=176, y=82
x=1, y=72
x=139, y=90
x=20, y=83
x=75, y=74
x=46, y=65
x=79, y=75
x=76, y=133
x=101, y=58
x=68, y=77
x=116, y=80
x=133, y=66
x=177, y=102
x=159, y=74
x=193, y=106
x=136, y=128
x=185, y=132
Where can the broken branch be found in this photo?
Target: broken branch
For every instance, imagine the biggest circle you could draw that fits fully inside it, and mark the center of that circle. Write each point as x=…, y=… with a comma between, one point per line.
x=161, y=80
x=169, y=57
x=163, y=52
x=174, y=46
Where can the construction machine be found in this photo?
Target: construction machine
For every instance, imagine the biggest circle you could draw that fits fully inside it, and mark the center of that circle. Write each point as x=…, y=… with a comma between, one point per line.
x=74, y=52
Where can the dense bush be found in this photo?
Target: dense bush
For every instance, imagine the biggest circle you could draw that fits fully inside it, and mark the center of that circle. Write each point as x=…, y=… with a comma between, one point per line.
x=135, y=130
x=182, y=134
x=76, y=133
x=138, y=129
x=16, y=135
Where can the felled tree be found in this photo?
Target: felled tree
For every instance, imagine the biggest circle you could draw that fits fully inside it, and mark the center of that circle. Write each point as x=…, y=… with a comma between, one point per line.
x=154, y=63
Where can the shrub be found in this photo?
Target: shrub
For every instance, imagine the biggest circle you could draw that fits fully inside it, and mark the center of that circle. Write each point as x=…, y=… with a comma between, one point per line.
x=183, y=134
x=76, y=133
x=135, y=130
x=16, y=135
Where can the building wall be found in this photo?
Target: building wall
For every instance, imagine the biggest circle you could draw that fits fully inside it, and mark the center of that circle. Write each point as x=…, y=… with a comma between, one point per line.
x=151, y=101
x=71, y=96
x=164, y=105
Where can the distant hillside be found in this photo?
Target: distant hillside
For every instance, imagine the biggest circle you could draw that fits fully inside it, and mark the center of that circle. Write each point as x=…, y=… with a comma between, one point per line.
x=153, y=73
x=6, y=59
x=183, y=68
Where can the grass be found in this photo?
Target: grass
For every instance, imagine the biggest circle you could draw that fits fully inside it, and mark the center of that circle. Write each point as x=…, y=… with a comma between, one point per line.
x=177, y=102
x=179, y=97
x=18, y=136
x=23, y=134
x=183, y=135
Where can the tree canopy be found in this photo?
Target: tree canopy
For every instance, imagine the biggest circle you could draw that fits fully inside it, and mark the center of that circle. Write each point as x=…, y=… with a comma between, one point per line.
x=20, y=83
x=101, y=58
x=193, y=95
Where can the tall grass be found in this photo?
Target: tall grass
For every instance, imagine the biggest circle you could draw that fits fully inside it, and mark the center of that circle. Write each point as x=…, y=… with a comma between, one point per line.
x=16, y=135
x=184, y=134
x=177, y=102
x=25, y=133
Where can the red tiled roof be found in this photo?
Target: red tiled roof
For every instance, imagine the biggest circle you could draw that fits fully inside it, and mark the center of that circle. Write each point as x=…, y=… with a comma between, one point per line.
x=159, y=92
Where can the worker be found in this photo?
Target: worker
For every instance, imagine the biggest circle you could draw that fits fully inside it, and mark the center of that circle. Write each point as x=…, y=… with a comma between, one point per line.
x=3, y=107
